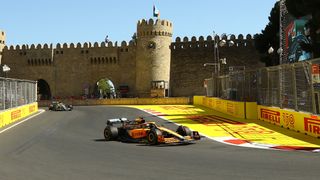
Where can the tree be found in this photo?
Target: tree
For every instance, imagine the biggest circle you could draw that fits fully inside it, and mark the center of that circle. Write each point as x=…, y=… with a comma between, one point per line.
x=300, y=8
x=269, y=38
x=104, y=87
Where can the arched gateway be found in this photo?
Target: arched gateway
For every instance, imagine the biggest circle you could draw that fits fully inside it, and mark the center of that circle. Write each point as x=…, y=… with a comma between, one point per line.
x=44, y=90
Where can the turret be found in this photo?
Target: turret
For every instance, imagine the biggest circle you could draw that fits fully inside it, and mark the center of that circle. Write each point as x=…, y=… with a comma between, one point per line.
x=153, y=54
x=2, y=42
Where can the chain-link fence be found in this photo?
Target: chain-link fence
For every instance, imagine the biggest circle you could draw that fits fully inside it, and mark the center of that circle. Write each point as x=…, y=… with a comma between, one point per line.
x=14, y=92
x=293, y=86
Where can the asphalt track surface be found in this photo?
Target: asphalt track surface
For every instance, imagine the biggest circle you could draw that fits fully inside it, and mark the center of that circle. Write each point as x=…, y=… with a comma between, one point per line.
x=70, y=145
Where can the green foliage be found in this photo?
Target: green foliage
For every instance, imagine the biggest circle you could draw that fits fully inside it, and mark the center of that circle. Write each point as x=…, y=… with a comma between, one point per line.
x=104, y=86
x=269, y=38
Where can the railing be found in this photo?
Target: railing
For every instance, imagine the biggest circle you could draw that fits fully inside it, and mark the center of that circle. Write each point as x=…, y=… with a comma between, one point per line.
x=16, y=92
x=292, y=86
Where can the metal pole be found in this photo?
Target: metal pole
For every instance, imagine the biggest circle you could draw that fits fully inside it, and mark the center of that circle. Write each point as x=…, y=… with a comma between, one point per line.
x=218, y=73
x=10, y=94
x=16, y=94
x=294, y=87
x=313, y=100
x=215, y=68
x=212, y=84
x=4, y=94
x=280, y=90
x=35, y=89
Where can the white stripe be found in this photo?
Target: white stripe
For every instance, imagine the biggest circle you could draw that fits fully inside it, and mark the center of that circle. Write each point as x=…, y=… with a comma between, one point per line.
x=16, y=124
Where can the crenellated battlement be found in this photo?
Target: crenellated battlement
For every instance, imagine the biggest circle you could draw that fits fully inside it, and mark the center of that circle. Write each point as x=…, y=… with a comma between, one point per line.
x=201, y=42
x=70, y=46
x=134, y=64
x=2, y=37
x=151, y=23
x=152, y=27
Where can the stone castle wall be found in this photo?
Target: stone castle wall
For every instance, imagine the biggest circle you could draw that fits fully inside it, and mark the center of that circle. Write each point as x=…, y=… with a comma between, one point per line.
x=70, y=68
x=189, y=56
x=153, y=53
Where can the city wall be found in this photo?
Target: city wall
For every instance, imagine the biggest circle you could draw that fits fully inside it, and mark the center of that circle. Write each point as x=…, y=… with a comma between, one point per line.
x=69, y=68
x=188, y=57
x=73, y=69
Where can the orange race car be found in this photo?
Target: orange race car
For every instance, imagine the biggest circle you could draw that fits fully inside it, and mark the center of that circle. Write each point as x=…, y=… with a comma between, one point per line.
x=139, y=130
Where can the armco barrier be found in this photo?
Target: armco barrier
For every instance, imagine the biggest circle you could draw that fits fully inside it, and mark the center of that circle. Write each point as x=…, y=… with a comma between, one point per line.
x=123, y=101
x=301, y=122
x=12, y=115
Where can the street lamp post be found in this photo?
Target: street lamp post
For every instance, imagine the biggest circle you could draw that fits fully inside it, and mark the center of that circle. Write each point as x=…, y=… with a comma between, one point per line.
x=217, y=61
x=5, y=69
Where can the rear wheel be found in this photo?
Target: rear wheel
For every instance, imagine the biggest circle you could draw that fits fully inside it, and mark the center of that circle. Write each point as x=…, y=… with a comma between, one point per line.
x=110, y=133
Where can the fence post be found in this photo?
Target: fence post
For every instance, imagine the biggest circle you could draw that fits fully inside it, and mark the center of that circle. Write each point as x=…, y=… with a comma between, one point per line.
x=16, y=93
x=280, y=86
x=268, y=88
x=4, y=94
x=294, y=87
x=314, y=109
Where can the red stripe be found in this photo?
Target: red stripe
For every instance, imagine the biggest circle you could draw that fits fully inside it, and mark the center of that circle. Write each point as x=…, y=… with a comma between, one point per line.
x=236, y=141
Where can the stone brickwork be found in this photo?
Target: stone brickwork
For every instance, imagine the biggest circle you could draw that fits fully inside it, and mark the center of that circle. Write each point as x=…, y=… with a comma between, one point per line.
x=70, y=69
x=189, y=56
x=153, y=53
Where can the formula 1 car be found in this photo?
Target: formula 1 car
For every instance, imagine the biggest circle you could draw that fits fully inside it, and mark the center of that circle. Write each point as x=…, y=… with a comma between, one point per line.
x=140, y=131
x=59, y=106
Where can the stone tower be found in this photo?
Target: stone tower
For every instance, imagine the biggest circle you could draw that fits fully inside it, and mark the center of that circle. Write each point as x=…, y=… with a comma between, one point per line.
x=152, y=54
x=2, y=42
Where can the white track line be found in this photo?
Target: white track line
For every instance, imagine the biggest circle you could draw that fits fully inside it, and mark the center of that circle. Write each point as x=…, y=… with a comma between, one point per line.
x=20, y=122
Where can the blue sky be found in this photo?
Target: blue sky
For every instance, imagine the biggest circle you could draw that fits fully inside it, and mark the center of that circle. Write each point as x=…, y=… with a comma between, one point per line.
x=73, y=21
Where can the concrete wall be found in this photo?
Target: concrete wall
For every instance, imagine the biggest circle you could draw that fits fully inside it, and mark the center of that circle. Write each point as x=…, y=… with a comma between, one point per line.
x=123, y=101
x=15, y=114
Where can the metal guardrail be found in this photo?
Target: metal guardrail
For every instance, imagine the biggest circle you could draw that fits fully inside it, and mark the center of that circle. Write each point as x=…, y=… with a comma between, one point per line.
x=16, y=92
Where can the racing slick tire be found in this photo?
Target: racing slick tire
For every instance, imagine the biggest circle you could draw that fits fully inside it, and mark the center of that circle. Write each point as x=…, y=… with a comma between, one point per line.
x=184, y=131
x=110, y=133
x=153, y=136
x=70, y=107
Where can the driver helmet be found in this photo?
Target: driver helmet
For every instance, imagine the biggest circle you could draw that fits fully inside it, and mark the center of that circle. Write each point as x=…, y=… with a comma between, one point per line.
x=140, y=120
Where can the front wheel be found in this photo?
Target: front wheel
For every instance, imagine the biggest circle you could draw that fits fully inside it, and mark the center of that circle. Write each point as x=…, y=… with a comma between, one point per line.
x=153, y=136
x=184, y=131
